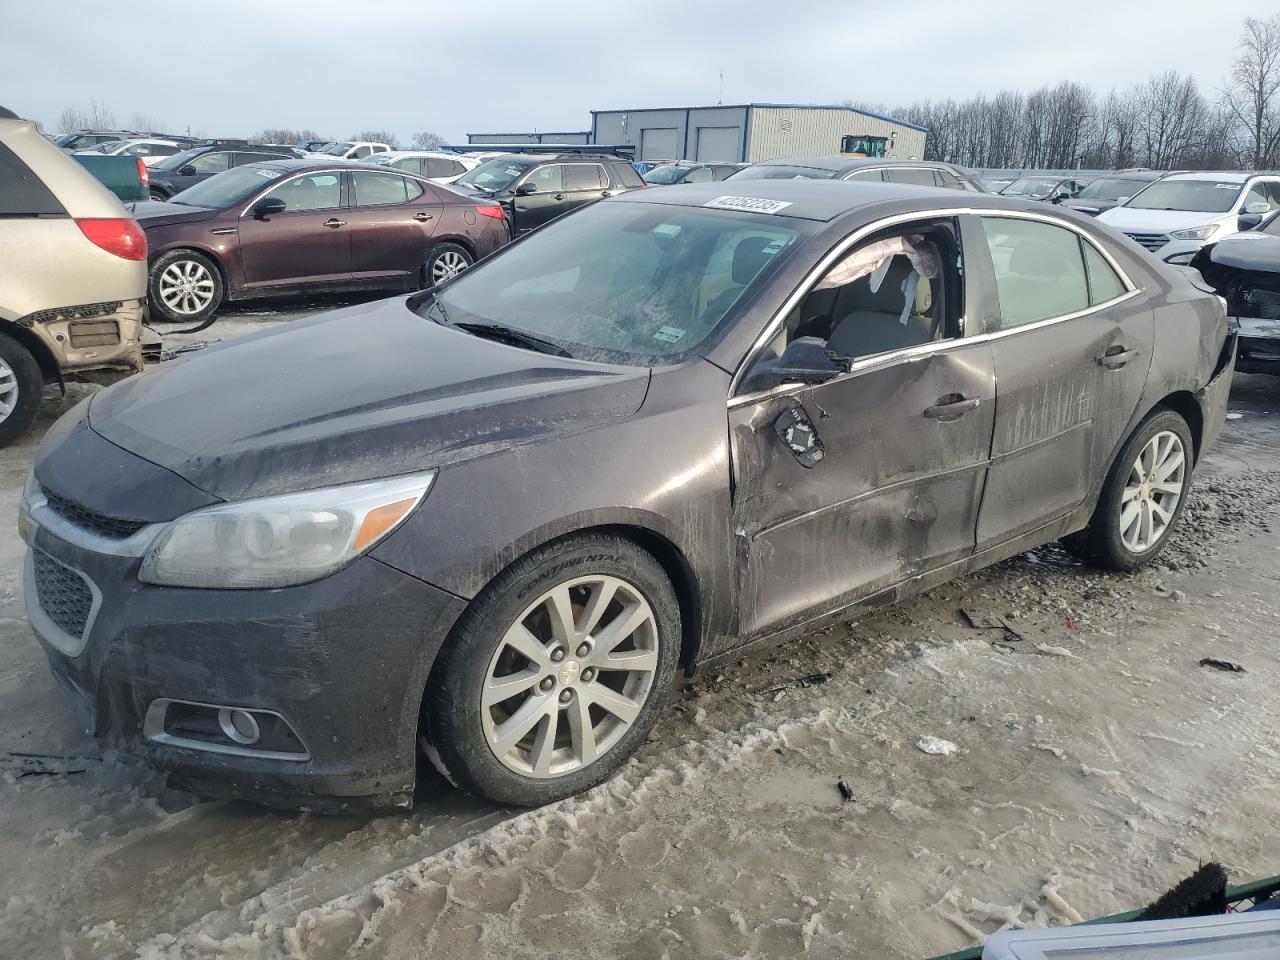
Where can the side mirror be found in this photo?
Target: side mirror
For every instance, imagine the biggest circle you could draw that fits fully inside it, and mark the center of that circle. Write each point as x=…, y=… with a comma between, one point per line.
x=187, y=171
x=525, y=189
x=1247, y=221
x=805, y=360
x=267, y=207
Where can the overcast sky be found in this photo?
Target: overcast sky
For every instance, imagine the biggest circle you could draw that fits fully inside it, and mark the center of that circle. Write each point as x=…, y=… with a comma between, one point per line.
x=232, y=67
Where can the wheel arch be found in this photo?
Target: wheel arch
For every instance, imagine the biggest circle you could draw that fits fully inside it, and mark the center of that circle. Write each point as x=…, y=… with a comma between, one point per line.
x=460, y=241
x=48, y=363
x=1185, y=404
x=211, y=255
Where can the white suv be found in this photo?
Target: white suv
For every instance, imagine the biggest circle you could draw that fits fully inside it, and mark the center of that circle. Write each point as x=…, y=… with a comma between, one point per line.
x=350, y=150
x=74, y=281
x=150, y=151
x=437, y=167
x=1176, y=216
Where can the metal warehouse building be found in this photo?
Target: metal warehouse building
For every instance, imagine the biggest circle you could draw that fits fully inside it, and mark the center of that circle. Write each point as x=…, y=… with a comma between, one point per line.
x=750, y=132
x=577, y=136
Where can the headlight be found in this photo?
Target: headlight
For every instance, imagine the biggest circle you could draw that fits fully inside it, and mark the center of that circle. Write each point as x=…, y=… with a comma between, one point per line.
x=281, y=541
x=1195, y=233
x=1181, y=259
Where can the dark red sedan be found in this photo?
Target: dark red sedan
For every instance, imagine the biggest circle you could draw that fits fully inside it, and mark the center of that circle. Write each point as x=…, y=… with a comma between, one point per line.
x=287, y=227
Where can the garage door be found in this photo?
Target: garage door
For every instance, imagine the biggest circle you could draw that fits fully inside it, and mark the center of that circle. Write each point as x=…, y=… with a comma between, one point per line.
x=658, y=143
x=719, y=143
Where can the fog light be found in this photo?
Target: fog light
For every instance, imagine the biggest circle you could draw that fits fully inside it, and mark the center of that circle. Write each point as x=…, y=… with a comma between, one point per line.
x=239, y=726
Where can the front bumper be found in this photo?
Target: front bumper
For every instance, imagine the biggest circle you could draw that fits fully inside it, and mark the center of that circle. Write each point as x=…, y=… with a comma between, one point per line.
x=1259, y=346
x=343, y=661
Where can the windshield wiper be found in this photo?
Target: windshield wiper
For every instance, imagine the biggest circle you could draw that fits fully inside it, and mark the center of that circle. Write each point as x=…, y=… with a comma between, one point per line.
x=518, y=338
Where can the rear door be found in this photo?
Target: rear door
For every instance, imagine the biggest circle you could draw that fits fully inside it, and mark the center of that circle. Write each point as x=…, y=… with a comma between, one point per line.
x=391, y=219
x=307, y=245
x=1072, y=340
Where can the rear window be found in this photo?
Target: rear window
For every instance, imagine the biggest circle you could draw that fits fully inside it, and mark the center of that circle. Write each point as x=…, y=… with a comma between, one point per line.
x=22, y=193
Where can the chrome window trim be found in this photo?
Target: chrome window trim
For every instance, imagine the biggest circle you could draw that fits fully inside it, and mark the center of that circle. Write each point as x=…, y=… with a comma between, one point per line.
x=839, y=250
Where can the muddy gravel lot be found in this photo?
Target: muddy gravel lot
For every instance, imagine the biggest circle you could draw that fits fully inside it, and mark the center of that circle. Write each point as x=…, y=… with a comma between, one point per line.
x=1096, y=763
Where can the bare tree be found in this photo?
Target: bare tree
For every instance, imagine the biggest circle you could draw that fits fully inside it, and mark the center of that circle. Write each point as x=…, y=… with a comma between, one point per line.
x=145, y=122
x=1253, y=90
x=378, y=136
x=97, y=116
x=1171, y=117
x=285, y=135
x=426, y=140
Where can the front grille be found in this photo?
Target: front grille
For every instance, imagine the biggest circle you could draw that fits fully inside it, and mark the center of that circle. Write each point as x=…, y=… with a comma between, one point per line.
x=1152, y=241
x=86, y=519
x=94, y=333
x=63, y=594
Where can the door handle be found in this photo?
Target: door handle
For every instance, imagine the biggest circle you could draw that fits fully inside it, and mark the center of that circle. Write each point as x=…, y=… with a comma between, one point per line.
x=1116, y=357
x=423, y=217
x=333, y=223
x=952, y=407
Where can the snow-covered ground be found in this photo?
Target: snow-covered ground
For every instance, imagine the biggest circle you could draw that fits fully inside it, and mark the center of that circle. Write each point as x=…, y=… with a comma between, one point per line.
x=1097, y=764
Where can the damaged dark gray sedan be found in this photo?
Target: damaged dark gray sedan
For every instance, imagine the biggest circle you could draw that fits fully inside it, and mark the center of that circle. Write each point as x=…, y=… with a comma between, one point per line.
x=489, y=522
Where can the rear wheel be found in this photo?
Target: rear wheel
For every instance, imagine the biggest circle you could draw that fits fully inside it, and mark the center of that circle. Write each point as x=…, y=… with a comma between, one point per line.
x=1142, y=498
x=184, y=287
x=21, y=386
x=444, y=262
x=556, y=673
x=157, y=195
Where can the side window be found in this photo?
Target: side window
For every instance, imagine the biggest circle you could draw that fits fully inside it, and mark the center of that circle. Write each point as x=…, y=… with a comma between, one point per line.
x=138, y=150
x=700, y=175
x=1257, y=194
x=1104, y=283
x=948, y=180
x=442, y=167
x=922, y=178
x=380, y=189
x=584, y=176
x=380, y=149
x=900, y=289
x=163, y=150
x=1272, y=226
x=319, y=191
x=409, y=164
x=547, y=179
x=361, y=152
x=22, y=193
x=876, y=176
x=625, y=174
x=211, y=162
x=1038, y=268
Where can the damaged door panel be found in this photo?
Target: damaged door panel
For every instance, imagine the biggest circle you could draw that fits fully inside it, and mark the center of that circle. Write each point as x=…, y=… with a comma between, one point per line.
x=1072, y=341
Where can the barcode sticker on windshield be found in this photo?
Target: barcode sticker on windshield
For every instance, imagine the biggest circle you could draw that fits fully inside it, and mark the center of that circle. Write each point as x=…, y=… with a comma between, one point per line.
x=269, y=174
x=748, y=204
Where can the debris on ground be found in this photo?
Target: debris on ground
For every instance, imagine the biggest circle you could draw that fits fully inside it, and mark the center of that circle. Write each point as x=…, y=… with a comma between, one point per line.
x=1224, y=665
x=812, y=680
x=23, y=764
x=1049, y=650
x=936, y=747
x=978, y=621
x=846, y=791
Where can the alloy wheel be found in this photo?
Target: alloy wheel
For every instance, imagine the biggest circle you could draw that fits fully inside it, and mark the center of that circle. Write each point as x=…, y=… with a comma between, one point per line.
x=1152, y=492
x=570, y=676
x=8, y=390
x=186, y=287
x=449, y=264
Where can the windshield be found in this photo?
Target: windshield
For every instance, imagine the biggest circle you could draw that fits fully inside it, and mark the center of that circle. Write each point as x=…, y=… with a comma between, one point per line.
x=1110, y=188
x=623, y=282
x=1030, y=187
x=337, y=149
x=1193, y=196
x=667, y=173
x=496, y=174
x=780, y=171
x=228, y=188
x=178, y=160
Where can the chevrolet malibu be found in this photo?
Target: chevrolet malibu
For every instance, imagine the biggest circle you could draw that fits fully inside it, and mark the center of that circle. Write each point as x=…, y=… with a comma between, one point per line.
x=487, y=523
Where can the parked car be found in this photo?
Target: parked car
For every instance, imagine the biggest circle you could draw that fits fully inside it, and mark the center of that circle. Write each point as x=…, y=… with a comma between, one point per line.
x=535, y=188
x=84, y=139
x=312, y=146
x=925, y=173
x=644, y=166
x=440, y=167
x=1176, y=216
x=689, y=171
x=149, y=151
x=995, y=184
x=498, y=516
x=351, y=149
x=127, y=177
x=290, y=226
x=1110, y=190
x=74, y=279
x=174, y=174
x=1052, y=188
x=1245, y=269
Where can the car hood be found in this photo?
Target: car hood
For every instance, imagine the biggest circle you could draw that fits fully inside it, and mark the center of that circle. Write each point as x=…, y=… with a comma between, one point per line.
x=1086, y=205
x=1157, y=221
x=156, y=213
x=359, y=393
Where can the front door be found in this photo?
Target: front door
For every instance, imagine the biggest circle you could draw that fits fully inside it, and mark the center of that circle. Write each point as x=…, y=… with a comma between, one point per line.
x=545, y=203
x=1072, y=343
x=308, y=244
x=849, y=486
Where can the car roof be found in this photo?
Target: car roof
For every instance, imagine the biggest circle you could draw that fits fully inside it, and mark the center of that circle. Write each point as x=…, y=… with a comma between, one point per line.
x=1225, y=176
x=422, y=153
x=848, y=163
x=822, y=200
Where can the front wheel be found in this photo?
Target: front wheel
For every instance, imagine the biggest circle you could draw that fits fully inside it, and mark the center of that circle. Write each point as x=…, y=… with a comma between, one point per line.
x=1143, y=496
x=557, y=671
x=185, y=287
x=444, y=262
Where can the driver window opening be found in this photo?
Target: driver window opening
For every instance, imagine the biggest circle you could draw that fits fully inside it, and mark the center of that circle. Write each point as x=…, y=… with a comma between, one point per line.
x=901, y=288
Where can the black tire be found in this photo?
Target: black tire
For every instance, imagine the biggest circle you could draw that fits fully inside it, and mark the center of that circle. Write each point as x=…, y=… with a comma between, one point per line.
x=440, y=259
x=158, y=195
x=29, y=382
x=161, y=310
x=454, y=714
x=1100, y=543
